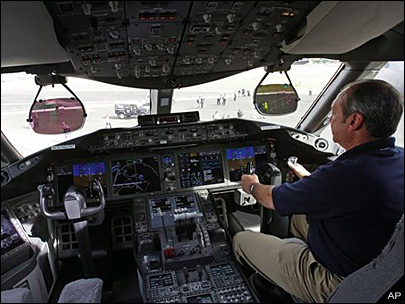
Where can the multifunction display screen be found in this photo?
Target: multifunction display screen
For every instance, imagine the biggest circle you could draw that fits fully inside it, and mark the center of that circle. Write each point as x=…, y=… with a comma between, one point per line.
x=135, y=175
x=222, y=270
x=239, y=157
x=161, y=280
x=160, y=205
x=10, y=238
x=200, y=168
x=185, y=201
x=82, y=175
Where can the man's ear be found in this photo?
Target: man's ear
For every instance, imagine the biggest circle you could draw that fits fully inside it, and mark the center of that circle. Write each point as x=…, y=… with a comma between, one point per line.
x=356, y=121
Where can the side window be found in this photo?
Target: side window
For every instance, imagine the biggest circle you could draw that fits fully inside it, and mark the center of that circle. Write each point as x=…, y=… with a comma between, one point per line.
x=392, y=72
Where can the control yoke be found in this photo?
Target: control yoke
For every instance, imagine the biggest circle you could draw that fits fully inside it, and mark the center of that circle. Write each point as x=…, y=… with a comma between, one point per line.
x=76, y=210
x=74, y=201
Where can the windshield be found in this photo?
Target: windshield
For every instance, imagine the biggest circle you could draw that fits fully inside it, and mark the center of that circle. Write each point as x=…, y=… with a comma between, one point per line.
x=116, y=106
x=232, y=97
x=100, y=101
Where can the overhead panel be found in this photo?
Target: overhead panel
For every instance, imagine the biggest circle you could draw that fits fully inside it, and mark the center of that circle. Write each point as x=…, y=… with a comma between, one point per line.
x=210, y=31
x=154, y=34
x=137, y=42
x=96, y=36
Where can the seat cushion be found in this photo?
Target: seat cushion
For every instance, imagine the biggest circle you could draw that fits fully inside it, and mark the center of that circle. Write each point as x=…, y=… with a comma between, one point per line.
x=16, y=295
x=82, y=291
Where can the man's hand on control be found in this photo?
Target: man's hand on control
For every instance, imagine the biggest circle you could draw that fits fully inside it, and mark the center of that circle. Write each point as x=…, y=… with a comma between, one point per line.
x=247, y=180
x=298, y=169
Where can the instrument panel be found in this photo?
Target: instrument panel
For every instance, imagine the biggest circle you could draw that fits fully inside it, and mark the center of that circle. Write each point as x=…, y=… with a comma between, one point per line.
x=183, y=253
x=165, y=211
x=158, y=184
x=136, y=174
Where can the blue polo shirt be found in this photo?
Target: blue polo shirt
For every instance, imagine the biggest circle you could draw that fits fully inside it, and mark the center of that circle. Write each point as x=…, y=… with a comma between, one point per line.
x=352, y=204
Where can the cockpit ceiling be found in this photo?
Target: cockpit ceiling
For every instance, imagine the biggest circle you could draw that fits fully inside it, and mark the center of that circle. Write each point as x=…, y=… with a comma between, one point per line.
x=171, y=40
x=169, y=44
x=135, y=43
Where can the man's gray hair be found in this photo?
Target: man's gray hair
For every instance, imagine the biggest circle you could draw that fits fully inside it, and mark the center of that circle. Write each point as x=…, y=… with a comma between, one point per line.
x=379, y=102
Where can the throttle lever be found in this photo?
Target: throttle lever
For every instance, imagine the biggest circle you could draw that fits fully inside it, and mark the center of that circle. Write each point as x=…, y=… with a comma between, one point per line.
x=249, y=168
x=293, y=160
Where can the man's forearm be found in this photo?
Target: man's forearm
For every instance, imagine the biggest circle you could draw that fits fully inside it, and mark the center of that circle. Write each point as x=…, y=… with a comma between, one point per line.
x=263, y=194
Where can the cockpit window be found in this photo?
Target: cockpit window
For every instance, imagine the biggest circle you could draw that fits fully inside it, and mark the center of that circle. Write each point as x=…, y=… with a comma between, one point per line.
x=106, y=106
x=392, y=72
x=110, y=106
x=233, y=97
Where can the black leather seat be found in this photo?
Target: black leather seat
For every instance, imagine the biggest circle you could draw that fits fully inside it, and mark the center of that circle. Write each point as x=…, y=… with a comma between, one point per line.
x=370, y=284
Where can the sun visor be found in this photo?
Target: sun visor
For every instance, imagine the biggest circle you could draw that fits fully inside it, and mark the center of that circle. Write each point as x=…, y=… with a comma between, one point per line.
x=328, y=30
x=28, y=36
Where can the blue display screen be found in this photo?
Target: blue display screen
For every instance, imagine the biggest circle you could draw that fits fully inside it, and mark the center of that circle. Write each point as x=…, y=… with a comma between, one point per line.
x=91, y=169
x=240, y=153
x=238, y=158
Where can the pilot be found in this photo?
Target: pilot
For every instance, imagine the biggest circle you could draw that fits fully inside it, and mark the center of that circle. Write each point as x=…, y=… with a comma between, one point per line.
x=343, y=213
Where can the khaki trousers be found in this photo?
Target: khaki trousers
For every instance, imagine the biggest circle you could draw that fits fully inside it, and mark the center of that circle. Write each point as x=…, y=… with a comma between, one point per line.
x=287, y=263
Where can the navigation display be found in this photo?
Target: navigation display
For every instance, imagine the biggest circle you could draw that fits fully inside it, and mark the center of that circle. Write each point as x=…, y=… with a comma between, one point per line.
x=81, y=174
x=239, y=157
x=135, y=175
x=200, y=168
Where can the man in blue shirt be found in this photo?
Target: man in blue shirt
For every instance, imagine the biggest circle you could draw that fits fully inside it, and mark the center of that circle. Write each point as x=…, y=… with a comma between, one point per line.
x=352, y=204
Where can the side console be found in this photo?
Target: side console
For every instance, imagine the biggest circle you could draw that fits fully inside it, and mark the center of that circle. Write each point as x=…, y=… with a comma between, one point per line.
x=25, y=261
x=183, y=254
